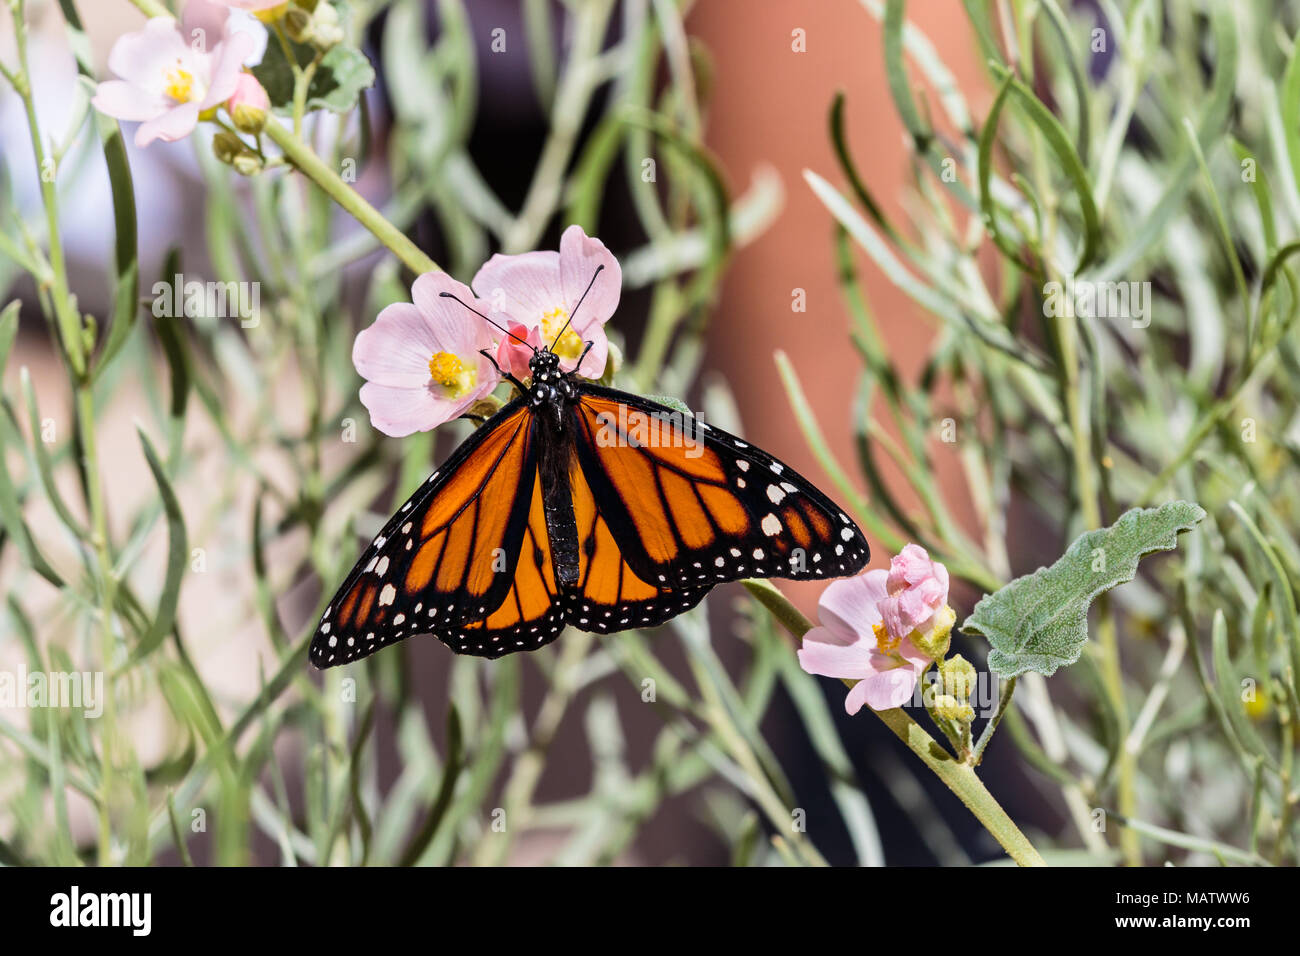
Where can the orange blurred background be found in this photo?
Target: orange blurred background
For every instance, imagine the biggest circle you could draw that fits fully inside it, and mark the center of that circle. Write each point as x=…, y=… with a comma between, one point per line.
x=770, y=106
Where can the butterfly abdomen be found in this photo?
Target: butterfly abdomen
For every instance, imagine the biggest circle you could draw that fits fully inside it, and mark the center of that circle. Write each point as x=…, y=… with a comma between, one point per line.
x=555, y=458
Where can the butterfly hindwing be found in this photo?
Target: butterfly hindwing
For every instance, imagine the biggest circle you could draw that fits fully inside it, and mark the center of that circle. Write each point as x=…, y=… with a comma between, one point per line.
x=448, y=556
x=690, y=506
x=609, y=595
x=532, y=613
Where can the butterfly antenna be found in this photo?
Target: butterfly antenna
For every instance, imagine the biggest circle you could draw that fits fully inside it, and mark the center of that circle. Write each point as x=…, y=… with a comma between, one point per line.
x=577, y=307
x=452, y=295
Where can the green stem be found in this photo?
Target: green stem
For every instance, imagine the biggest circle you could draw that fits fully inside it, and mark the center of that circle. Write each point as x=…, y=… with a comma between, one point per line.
x=70, y=325
x=1004, y=702
x=151, y=8
x=66, y=318
x=958, y=777
x=301, y=84
x=314, y=168
x=108, y=588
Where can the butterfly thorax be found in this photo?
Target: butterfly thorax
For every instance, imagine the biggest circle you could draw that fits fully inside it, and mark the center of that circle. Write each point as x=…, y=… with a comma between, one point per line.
x=551, y=387
x=551, y=394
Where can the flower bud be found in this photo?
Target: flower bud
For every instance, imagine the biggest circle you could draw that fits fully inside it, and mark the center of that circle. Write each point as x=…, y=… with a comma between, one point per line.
x=932, y=639
x=248, y=104
x=248, y=163
x=325, y=27
x=226, y=146
x=958, y=676
x=950, y=708
x=231, y=150
x=297, y=25
x=485, y=407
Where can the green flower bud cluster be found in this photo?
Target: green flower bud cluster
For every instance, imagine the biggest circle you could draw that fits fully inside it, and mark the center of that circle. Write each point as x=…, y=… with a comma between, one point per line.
x=233, y=151
x=315, y=23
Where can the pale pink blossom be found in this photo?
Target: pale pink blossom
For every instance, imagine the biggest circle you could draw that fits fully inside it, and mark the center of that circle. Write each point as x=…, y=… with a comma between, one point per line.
x=249, y=104
x=166, y=81
x=917, y=588
x=422, y=361
x=852, y=644
x=517, y=348
x=541, y=290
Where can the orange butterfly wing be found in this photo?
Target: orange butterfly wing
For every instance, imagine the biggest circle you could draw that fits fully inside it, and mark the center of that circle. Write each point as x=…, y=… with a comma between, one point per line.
x=449, y=555
x=691, y=506
x=610, y=595
x=661, y=516
x=532, y=613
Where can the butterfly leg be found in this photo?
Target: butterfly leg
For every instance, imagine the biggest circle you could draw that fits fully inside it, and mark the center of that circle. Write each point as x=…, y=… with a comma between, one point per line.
x=523, y=389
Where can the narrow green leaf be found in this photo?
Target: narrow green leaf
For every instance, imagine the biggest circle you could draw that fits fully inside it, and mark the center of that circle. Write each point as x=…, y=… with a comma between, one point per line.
x=1229, y=688
x=1290, y=95
x=1282, y=594
x=442, y=802
x=44, y=463
x=1039, y=622
x=178, y=835
x=169, y=329
x=177, y=551
x=126, y=290
x=8, y=330
x=1059, y=141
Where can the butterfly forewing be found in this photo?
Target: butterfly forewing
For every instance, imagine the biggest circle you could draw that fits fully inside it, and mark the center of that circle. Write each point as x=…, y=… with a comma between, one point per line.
x=448, y=556
x=690, y=506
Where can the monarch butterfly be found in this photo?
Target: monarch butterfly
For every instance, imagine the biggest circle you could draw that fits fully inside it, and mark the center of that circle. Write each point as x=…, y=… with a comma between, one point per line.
x=584, y=505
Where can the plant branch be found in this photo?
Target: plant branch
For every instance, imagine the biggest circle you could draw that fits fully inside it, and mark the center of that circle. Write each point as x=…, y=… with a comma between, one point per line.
x=314, y=168
x=958, y=777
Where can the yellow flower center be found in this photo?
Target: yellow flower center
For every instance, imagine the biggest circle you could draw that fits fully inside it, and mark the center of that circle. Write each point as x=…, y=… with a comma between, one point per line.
x=452, y=374
x=885, y=643
x=570, y=344
x=180, y=85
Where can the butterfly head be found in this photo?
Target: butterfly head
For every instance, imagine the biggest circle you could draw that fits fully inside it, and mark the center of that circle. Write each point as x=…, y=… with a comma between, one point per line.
x=551, y=385
x=544, y=365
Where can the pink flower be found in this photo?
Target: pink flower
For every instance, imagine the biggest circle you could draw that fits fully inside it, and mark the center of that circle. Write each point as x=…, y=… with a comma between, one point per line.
x=247, y=106
x=852, y=644
x=540, y=290
x=421, y=361
x=918, y=588
x=513, y=355
x=167, y=82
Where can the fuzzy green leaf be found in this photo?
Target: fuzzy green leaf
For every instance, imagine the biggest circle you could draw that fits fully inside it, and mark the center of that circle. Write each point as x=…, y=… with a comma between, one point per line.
x=1039, y=622
x=676, y=404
